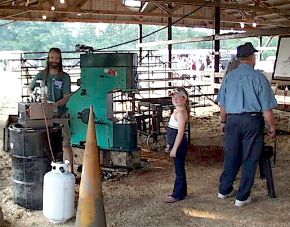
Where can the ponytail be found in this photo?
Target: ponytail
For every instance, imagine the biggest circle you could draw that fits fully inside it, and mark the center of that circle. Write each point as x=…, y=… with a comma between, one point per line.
x=187, y=104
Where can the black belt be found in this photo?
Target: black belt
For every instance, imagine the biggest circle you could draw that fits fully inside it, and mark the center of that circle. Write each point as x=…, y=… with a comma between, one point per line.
x=247, y=113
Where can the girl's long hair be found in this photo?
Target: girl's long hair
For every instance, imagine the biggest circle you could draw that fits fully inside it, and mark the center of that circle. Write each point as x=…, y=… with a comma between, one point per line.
x=187, y=104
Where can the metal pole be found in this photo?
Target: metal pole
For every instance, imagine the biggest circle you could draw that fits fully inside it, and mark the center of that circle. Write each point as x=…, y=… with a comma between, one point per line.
x=217, y=42
x=140, y=41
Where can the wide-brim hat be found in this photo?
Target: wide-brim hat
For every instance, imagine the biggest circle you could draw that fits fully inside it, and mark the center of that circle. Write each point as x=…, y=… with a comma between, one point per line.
x=245, y=50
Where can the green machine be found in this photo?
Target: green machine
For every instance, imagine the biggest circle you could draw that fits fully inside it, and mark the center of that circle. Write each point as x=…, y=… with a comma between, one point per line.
x=102, y=75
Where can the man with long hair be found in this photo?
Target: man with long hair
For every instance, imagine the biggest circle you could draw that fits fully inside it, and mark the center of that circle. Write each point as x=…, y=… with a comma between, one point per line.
x=59, y=88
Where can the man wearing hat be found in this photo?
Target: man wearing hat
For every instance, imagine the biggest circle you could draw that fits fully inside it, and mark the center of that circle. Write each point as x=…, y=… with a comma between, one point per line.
x=245, y=100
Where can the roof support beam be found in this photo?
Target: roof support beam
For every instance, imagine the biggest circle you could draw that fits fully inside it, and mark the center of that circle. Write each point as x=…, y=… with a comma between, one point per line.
x=19, y=10
x=253, y=33
x=78, y=4
x=163, y=8
x=222, y=5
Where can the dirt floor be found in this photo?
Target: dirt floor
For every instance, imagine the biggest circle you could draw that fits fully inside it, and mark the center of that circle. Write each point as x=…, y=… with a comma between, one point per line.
x=136, y=199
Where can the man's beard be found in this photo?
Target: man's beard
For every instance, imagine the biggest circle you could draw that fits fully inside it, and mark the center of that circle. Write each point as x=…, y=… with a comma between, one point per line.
x=53, y=65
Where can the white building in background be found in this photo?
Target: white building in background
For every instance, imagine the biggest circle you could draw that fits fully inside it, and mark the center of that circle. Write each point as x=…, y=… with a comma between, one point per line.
x=10, y=60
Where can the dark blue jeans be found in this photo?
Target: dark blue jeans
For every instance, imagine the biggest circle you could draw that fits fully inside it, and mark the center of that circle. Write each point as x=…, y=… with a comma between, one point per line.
x=243, y=144
x=180, y=185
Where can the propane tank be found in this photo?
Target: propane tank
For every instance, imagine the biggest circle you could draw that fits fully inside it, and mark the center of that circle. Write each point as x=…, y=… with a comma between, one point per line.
x=59, y=193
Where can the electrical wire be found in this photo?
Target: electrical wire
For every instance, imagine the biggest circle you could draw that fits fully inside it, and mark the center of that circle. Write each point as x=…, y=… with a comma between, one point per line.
x=158, y=30
x=47, y=132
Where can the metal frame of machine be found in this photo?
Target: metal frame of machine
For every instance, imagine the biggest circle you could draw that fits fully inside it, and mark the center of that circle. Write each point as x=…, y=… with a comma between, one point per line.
x=102, y=76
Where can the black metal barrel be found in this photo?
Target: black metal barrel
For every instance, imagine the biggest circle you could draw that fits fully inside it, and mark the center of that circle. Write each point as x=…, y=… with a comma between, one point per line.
x=31, y=159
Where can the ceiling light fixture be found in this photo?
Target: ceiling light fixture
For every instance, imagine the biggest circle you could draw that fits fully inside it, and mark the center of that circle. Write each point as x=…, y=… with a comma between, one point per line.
x=254, y=24
x=62, y=1
x=44, y=17
x=52, y=8
x=242, y=24
x=79, y=14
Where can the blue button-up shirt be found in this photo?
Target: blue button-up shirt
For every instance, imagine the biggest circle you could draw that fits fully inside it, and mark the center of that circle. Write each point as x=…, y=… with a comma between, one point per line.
x=246, y=90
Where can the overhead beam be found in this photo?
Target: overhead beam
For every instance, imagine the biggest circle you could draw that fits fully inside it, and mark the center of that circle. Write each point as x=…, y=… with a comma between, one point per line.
x=115, y=21
x=15, y=10
x=253, y=33
x=13, y=15
x=163, y=8
x=166, y=9
x=222, y=5
x=78, y=3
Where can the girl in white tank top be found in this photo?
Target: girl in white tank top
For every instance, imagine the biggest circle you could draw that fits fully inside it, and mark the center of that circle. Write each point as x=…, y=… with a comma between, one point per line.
x=177, y=142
